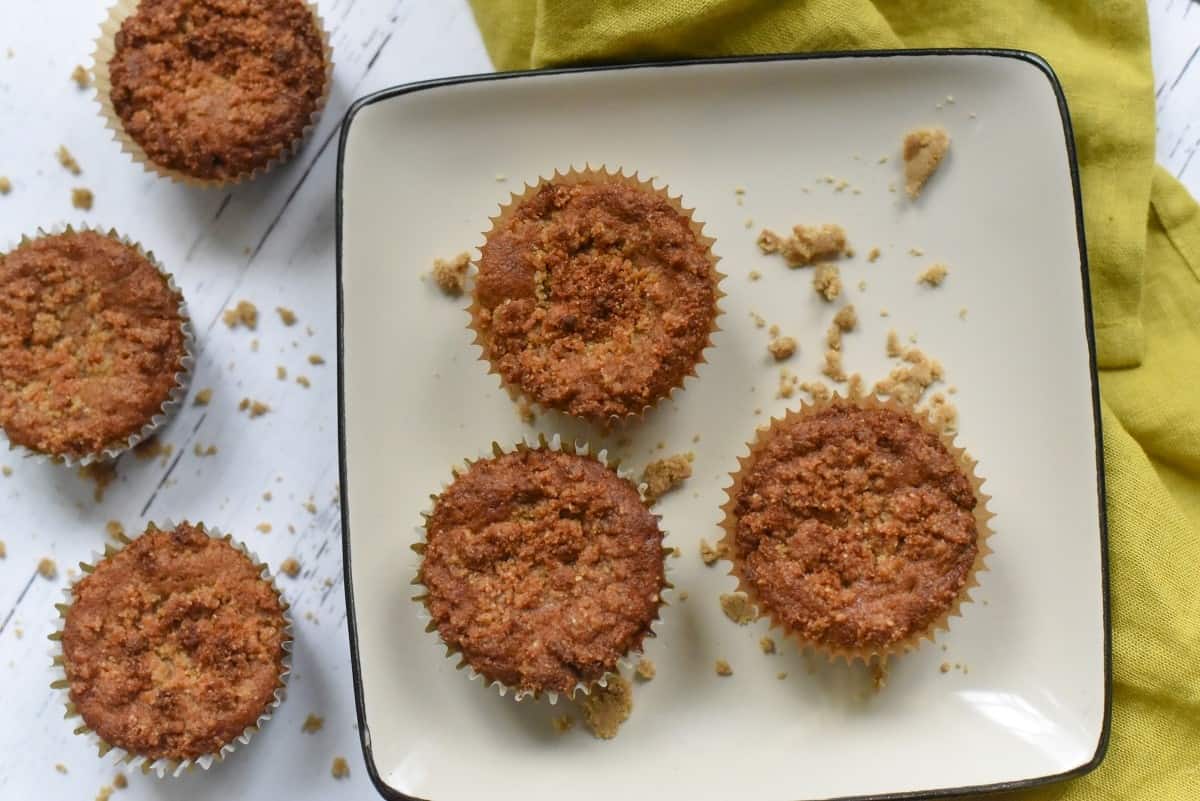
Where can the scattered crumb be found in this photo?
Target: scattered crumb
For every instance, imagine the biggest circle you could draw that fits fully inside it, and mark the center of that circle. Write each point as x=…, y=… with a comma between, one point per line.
x=257, y=408
x=3, y=550
x=873, y=255
x=749, y=222
x=817, y=390
x=451, y=276
x=855, y=388
x=6, y=471
x=833, y=338
x=710, y=554
x=316, y=359
x=80, y=76
x=312, y=724
x=908, y=382
x=755, y=275
x=916, y=253
x=782, y=348
x=827, y=281
x=265, y=528
x=737, y=607
x=60, y=767
x=101, y=474
x=722, y=668
x=944, y=667
x=832, y=368
x=645, y=669
x=808, y=244
x=606, y=708
x=310, y=507
x=962, y=313
x=105, y=793
x=266, y=496
x=924, y=150
x=203, y=450
x=787, y=383
x=562, y=723
x=82, y=198
x=933, y=275
x=287, y=316
x=664, y=475
x=846, y=318
x=120, y=782
x=683, y=596
x=862, y=285
x=942, y=413
x=203, y=397
x=68, y=161
x=340, y=768
x=767, y=645
x=281, y=372
x=781, y=675
x=882, y=160
x=47, y=568
x=894, y=349
x=290, y=566
x=244, y=313
x=5, y=185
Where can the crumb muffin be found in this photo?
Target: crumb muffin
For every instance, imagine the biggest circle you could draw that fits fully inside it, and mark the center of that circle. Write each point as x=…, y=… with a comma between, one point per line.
x=93, y=344
x=216, y=89
x=174, y=645
x=854, y=526
x=542, y=569
x=596, y=295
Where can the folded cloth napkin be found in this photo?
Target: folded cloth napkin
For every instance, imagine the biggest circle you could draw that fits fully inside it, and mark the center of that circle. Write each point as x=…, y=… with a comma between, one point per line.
x=1143, y=232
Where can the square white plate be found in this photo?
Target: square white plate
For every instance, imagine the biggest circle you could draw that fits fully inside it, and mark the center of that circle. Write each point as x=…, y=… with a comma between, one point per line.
x=1026, y=696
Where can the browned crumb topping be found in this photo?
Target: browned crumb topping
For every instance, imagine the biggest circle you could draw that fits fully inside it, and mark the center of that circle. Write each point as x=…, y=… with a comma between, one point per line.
x=120, y=782
x=708, y=554
x=173, y=646
x=907, y=382
x=81, y=77
x=286, y=316
x=596, y=299
x=5, y=185
x=606, y=708
x=924, y=150
x=244, y=313
x=68, y=161
x=894, y=348
x=737, y=607
x=312, y=724
x=782, y=348
x=316, y=359
x=664, y=475
x=873, y=255
x=203, y=451
x=82, y=198
x=451, y=275
x=722, y=668
x=340, y=768
x=645, y=669
x=855, y=526
x=817, y=391
x=933, y=275
x=832, y=368
x=290, y=566
x=767, y=645
x=562, y=723
x=827, y=281
x=542, y=568
x=101, y=474
x=846, y=318
x=303, y=381
x=47, y=568
x=265, y=528
x=203, y=397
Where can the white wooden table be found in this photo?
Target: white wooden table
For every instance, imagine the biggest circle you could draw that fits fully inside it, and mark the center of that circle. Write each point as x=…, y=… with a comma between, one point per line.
x=272, y=243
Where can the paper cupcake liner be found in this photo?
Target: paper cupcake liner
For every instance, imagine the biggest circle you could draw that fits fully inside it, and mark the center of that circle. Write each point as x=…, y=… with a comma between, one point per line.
x=626, y=661
x=865, y=654
x=106, y=48
x=183, y=376
x=592, y=175
x=163, y=767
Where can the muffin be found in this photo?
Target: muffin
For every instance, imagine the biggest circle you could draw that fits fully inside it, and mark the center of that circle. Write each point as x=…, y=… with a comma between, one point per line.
x=212, y=91
x=543, y=569
x=596, y=295
x=855, y=527
x=174, y=647
x=94, y=345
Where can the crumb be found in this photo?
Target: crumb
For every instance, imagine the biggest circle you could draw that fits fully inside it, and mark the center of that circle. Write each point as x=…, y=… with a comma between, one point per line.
x=501, y=177
x=894, y=348
x=676, y=552
x=849, y=252
x=244, y=313
x=683, y=595
x=769, y=241
x=782, y=348
x=82, y=198
x=855, y=387
x=767, y=645
x=933, y=275
x=114, y=529
x=451, y=276
x=944, y=667
x=265, y=528
x=884, y=313
x=924, y=150
x=105, y=793
x=606, y=708
x=862, y=285
x=5, y=185
x=303, y=381
x=101, y=474
x=878, y=675
x=3, y=550
x=841, y=184
x=833, y=338
x=257, y=408
x=645, y=669
x=316, y=359
x=739, y=190
x=827, y=281
x=773, y=331
x=807, y=244
x=873, y=255
x=562, y=723
x=846, y=318
x=907, y=383
x=80, y=76
x=664, y=475
x=962, y=313
x=916, y=252
x=310, y=507
x=6, y=471
x=710, y=554
x=817, y=390
x=340, y=768
x=787, y=384
x=68, y=161
x=737, y=607
x=202, y=451
x=781, y=675
x=290, y=566
x=60, y=767
x=47, y=568
x=203, y=397
x=749, y=223
x=755, y=275
x=525, y=411
x=882, y=160
x=266, y=496
x=287, y=316
x=942, y=413
x=120, y=782
x=759, y=322
x=281, y=372
x=722, y=668
x=833, y=366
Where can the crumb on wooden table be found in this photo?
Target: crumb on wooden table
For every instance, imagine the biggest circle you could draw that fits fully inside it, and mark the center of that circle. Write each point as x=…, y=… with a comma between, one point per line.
x=312, y=724
x=5, y=185
x=60, y=767
x=562, y=723
x=709, y=554
x=933, y=275
x=451, y=275
x=754, y=275
x=244, y=313
x=290, y=567
x=286, y=315
x=340, y=768
x=767, y=645
x=924, y=150
x=82, y=198
x=722, y=668
x=203, y=397
x=46, y=568
x=962, y=313
x=3, y=550
x=606, y=708
x=782, y=348
x=827, y=281
x=645, y=669
x=737, y=607
x=68, y=161
x=663, y=475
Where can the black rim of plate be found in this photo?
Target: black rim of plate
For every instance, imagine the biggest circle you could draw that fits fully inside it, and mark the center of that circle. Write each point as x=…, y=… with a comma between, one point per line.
x=1020, y=55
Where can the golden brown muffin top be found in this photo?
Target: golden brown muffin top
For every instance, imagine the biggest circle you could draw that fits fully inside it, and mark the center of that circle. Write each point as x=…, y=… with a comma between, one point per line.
x=217, y=88
x=90, y=342
x=595, y=299
x=855, y=526
x=542, y=568
x=174, y=645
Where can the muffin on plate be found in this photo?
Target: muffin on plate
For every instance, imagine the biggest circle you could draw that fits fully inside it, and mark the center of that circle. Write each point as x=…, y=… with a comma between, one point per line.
x=596, y=295
x=856, y=527
x=542, y=568
x=174, y=647
x=94, y=345
x=211, y=92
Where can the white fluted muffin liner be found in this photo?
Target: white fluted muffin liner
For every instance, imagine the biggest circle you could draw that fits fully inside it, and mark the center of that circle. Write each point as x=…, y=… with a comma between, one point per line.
x=164, y=767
